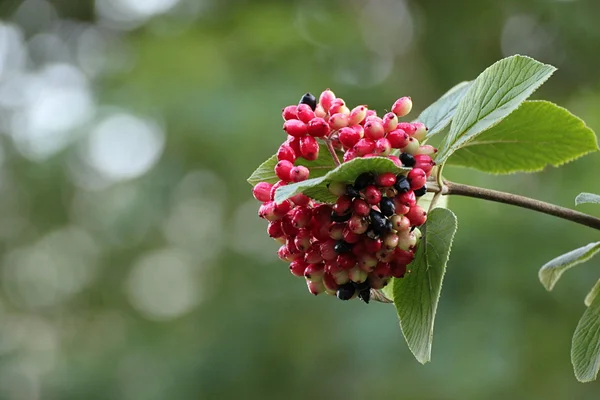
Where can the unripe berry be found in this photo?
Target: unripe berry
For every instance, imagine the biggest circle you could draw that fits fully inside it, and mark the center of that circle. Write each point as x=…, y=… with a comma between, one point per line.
x=367, y=262
x=336, y=231
x=301, y=217
x=282, y=170
x=289, y=112
x=364, y=146
x=346, y=261
x=299, y=173
x=341, y=277
x=360, y=207
x=390, y=241
x=315, y=287
x=398, y=138
x=402, y=106
x=348, y=137
x=374, y=129
x=357, y=115
x=314, y=272
x=338, y=121
x=320, y=112
x=383, y=147
x=318, y=127
x=427, y=149
x=305, y=113
x=372, y=195
x=338, y=105
x=417, y=178
x=358, y=225
x=309, y=148
x=357, y=275
x=400, y=223
x=420, y=131
x=403, y=256
x=286, y=152
x=262, y=191
x=407, y=160
x=337, y=188
x=300, y=199
x=274, y=229
x=407, y=198
x=295, y=127
x=390, y=122
x=326, y=99
x=330, y=286
x=416, y=215
x=407, y=127
x=386, y=179
x=302, y=240
x=412, y=147
x=377, y=282
x=297, y=267
x=418, y=234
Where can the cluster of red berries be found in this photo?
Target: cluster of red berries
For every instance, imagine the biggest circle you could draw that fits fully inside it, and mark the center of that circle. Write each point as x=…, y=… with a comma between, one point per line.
x=371, y=232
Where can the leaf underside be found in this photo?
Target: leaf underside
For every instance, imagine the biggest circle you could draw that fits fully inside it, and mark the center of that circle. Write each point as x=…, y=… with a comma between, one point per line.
x=551, y=272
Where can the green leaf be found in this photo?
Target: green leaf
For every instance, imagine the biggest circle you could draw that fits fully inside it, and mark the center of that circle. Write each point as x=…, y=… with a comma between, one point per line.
x=528, y=140
x=551, y=272
x=316, y=188
x=584, y=197
x=439, y=114
x=585, y=347
x=425, y=201
x=496, y=92
x=592, y=294
x=265, y=172
x=416, y=295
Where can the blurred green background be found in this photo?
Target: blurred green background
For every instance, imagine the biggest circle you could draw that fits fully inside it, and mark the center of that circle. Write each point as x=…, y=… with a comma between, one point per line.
x=133, y=264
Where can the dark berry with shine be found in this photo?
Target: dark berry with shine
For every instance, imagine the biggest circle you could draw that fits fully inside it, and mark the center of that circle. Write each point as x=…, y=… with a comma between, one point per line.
x=345, y=291
x=421, y=191
x=342, y=247
x=340, y=218
x=402, y=184
x=365, y=179
x=365, y=295
x=352, y=191
x=378, y=222
x=407, y=160
x=387, y=206
x=309, y=99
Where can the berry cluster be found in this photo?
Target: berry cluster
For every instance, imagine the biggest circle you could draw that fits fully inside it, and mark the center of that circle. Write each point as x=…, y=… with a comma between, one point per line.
x=371, y=232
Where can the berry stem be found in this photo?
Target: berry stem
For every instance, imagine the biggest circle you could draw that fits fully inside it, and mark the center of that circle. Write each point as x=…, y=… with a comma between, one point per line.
x=451, y=188
x=334, y=155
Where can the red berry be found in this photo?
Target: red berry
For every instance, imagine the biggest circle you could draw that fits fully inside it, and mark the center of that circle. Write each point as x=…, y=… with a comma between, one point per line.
x=374, y=129
x=386, y=179
x=326, y=99
x=402, y=106
x=288, y=227
x=364, y=146
x=313, y=255
x=403, y=256
x=351, y=237
x=267, y=211
x=348, y=137
x=372, y=195
x=349, y=155
x=309, y=148
x=282, y=170
x=305, y=113
x=346, y=260
x=300, y=199
x=318, y=127
x=382, y=270
x=407, y=198
x=286, y=152
x=398, y=138
x=357, y=225
x=398, y=270
x=301, y=217
x=297, y=267
x=329, y=282
x=314, y=272
x=290, y=112
x=262, y=191
x=302, y=240
x=417, y=178
x=299, y=173
x=274, y=229
x=416, y=215
x=327, y=250
x=342, y=205
x=372, y=245
x=361, y=207
x=383, y=147
x=295, y=127
x=338, y=105
x=424, y=162
x=407, y=127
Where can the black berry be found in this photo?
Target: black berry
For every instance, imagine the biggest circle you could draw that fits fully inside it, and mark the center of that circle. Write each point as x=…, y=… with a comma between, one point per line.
x=421, y=191
x=407, y=160
x=340, y=218
x=402, y=185
x=387, y=207
x=365, y=295
x=309, y=99
x=345, y=291
x=365, y=179
x=342, y=247
x=352, y=191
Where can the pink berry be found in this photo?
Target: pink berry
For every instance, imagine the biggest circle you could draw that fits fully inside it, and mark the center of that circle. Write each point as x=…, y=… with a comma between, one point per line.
x=302, y=240
x=318, y=127
x=417, y=178
x=367, y=262
x=364, y=146
x=402, y=106
x=305, y=113
x=372, y=194
x=286, y=152
x=349, y=155
x=374, y=129
x=398, y=138
x=348, y=137
x=351, y=237
x=262, y=191
x=290, y=112
x=282, y=209
x=282, y=170
x=314, y=272
x=327, y=250
x=390, y=122
x=320, y=112
x=396, y=161
x=274, y=229
x=267, y=211
x=300, y=200
x=386, y=179
x=416, y=215
x=357, y=115
x=313, y=255
x=301, y=217
x=361, y=207
x=299, y=173
x=297, y=267
x=342, y=205
x=424, y=162
x=309, y=148
x=407, y=127
x=295, y=127
x=326, y=99
x=338, y=121
x=338, y=105
x=383, y=147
